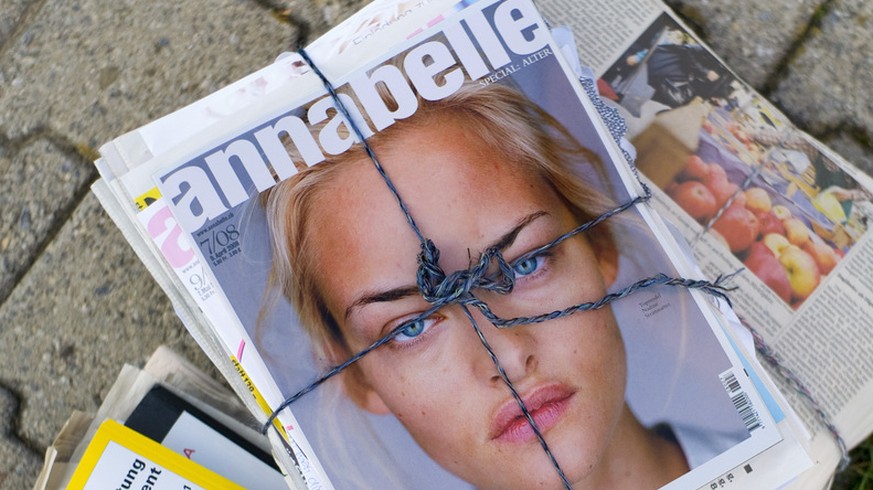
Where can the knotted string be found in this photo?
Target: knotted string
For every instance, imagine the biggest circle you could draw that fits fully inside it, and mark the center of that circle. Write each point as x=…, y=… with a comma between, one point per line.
x=716, y=288
x=458, y=288
x=441, y=290
x=340, y=106
x=516, y=396
x=793, y=380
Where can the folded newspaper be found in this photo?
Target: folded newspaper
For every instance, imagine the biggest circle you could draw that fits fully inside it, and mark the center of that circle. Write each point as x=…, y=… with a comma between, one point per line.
x=482, y=294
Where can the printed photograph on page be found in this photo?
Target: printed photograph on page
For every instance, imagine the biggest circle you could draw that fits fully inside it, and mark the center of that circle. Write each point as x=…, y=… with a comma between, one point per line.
x=701, y=134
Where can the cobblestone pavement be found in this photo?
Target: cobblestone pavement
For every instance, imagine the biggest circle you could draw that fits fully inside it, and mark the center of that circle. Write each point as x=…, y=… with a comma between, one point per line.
x=75, y=304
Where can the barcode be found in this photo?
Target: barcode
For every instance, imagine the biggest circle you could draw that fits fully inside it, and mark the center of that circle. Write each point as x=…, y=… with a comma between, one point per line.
x=731, y=385
x=746, y=410
x=742, y=402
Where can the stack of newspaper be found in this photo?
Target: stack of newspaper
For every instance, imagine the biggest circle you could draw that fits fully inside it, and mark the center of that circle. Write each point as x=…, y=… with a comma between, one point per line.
x=181, y=429
x=447, y=330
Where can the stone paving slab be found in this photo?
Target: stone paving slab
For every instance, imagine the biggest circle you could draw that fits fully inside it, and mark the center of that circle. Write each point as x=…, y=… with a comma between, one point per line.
x=10, y=15
x=752, y=36
x=94, y=69
x=85, y=308
x=828, y=84
x=39, y=184
x=859, y=155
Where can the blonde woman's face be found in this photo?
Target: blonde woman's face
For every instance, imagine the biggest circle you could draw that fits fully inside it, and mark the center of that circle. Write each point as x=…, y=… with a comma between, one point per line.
x=436, y=377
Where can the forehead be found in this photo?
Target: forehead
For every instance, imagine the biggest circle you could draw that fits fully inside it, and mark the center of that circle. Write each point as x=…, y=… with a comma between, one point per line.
x=462, y=193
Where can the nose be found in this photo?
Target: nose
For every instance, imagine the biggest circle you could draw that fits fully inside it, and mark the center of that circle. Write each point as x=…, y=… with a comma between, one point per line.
x=515, y=352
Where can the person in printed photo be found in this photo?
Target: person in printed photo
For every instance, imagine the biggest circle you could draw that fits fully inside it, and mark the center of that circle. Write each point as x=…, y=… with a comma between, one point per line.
x=482, y=169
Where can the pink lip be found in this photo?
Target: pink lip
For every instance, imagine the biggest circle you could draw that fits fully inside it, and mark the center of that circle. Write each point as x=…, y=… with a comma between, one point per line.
x=545, y=404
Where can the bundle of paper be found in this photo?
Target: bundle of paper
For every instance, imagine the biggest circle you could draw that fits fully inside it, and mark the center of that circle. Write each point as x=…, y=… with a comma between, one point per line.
x=419, y=254
x=165, y=426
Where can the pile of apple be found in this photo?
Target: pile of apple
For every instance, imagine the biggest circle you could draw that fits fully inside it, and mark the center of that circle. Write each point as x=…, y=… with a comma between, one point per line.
x=776, y=246
x=701, y=189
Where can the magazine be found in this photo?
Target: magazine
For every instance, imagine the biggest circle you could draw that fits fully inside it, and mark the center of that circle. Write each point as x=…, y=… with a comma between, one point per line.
x=462, y=103
x=747, y=189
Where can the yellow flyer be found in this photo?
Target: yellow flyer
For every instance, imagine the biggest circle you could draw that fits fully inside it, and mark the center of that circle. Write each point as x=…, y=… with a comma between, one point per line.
x=119, y=457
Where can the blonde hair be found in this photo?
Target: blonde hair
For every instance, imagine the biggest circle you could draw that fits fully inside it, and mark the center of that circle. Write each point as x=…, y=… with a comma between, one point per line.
x=499, y=116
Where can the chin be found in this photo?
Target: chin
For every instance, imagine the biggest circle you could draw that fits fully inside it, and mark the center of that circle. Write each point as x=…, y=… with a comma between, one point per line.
x=529, y=467
x=534, y=471
x=579, y=452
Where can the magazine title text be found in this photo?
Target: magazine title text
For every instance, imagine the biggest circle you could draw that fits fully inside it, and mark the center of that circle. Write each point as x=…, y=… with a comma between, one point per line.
x=208, y=186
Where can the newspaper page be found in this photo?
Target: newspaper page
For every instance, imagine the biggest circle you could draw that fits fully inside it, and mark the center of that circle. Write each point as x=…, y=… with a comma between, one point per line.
x=748, y=190
x=487, y=134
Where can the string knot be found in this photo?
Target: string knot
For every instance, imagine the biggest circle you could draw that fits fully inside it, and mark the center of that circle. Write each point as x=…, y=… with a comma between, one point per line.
x=718, y=288
x=430, y=276
x=440, y=290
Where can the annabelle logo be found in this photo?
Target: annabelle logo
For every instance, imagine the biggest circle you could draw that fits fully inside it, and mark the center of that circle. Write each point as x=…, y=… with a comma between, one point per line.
x=209, y=185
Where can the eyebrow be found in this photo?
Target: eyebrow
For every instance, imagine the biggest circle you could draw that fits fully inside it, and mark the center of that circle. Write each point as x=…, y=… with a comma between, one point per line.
x=405, y=291
x=508, y=238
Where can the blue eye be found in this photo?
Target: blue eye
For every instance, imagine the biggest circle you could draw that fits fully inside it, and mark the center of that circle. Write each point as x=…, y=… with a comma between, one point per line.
x=413, y=329
x=527, y=266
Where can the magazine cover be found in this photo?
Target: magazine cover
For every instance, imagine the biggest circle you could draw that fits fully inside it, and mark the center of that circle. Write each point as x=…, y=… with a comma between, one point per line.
x=493, y=152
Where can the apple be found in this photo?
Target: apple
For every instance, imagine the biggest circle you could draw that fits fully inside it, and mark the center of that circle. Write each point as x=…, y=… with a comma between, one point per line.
x=776, y=243
x=723, y=190
x=740, y=199
x=769, y=222
x=757, y=199
x=766, y=266
x=695, y=169
x=781, y=212
x=803, y=274
x=695, y=199
x=796, y=231
x=715, y=172
x=739, y=227
x=825, y=257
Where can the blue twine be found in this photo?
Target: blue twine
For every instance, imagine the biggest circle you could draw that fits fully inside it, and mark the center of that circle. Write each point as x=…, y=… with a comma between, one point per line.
x=441, y=290
x=793, y=380
x=612, y=119
x=517, y=397
x=742, y=188
x=360, y=135
x=716, y=288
